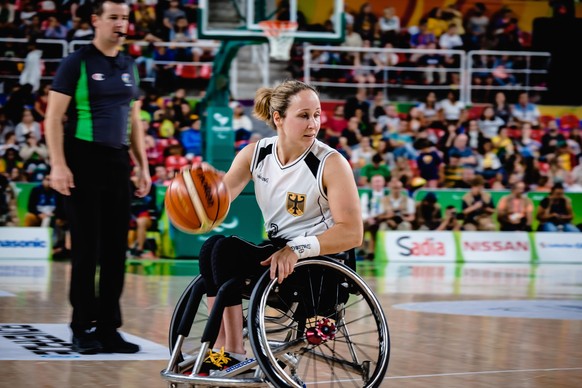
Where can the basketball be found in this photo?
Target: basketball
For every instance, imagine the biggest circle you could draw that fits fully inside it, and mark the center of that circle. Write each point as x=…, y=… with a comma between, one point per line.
x=197, y=200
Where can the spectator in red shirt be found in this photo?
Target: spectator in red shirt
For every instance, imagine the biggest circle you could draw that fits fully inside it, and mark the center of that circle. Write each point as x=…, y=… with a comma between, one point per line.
x=336, y=123
x=176, y=159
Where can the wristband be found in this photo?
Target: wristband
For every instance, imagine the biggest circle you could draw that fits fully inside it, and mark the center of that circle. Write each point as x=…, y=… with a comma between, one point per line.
x=304, y=246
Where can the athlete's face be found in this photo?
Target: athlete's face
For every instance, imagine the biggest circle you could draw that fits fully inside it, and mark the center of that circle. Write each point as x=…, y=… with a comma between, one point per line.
x=113, y=20
x=302, y=119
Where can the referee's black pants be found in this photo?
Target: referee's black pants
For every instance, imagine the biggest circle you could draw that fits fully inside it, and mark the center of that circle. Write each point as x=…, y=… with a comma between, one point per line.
x=98, y=214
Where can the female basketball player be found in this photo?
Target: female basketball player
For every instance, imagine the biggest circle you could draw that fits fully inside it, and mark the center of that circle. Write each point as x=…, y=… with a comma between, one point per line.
x=308, y=199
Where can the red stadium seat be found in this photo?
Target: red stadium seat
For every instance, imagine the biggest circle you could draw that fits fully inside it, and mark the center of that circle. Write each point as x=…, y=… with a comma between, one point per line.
x=537, y=134
x=514, y=133
x=544, y=168
x=135, y=50
x=205, y=71
x=569, y=121
x=545, y=119
x=476, y=111
x=525, y=38
x=187, y=71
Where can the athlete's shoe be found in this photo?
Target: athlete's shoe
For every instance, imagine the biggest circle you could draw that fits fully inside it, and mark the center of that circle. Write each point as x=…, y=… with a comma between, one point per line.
x=217, y=361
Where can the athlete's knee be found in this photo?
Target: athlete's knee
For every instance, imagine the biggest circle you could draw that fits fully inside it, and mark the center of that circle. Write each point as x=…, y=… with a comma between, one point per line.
x=205, y=262
x=205, y=255
x=224, y=259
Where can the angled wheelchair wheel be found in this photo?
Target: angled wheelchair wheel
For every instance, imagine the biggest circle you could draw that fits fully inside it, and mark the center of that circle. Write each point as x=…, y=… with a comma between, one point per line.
x=322, y=326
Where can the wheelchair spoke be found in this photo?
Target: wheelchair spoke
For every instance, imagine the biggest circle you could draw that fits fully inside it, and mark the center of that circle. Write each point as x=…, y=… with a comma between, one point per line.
x=316, y=356
x=334, y=358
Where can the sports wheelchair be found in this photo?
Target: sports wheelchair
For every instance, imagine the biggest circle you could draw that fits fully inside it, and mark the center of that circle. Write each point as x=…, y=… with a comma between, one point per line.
x=322, y=326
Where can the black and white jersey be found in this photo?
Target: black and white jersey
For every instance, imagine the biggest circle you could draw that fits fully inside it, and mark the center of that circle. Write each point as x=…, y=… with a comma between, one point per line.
x=291, y=197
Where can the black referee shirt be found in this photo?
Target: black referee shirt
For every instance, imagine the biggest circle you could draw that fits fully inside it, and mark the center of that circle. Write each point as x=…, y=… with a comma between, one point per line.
x=102, y=90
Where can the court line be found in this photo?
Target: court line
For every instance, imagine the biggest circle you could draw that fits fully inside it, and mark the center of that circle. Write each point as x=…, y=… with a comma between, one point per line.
x=482, y=373
x=457, y=374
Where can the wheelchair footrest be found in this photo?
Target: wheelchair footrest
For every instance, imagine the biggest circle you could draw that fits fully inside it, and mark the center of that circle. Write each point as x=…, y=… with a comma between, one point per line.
x=212, y=381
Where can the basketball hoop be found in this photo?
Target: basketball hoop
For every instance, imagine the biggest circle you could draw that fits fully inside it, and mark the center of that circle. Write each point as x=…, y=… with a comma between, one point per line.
x=281, y=36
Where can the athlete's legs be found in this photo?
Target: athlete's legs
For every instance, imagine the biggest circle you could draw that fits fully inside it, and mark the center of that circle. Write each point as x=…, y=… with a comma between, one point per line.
x=231, y=258
x=232, y=325
x=205, y=265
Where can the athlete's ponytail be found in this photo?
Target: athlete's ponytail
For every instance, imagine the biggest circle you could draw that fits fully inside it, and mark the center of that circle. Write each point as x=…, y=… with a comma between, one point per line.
x=277, y=99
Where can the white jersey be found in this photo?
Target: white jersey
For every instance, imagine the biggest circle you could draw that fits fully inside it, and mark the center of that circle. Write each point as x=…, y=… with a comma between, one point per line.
x=291, y=197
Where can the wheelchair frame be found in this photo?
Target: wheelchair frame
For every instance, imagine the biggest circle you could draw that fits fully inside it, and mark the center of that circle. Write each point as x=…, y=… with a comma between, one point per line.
x=293, y=334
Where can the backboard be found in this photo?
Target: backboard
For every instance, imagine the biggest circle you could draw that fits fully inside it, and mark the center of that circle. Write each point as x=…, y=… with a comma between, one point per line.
x=319, y=21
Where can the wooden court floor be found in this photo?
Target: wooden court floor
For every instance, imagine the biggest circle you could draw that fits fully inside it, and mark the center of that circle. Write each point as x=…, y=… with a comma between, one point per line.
x=479, y=325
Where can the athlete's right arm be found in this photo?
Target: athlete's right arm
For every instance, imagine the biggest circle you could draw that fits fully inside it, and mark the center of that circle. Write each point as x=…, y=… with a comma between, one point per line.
x=61, y=175
x=239, y=173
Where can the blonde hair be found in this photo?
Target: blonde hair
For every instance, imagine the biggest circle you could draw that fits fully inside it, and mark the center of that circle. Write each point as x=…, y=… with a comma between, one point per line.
x=277, y=99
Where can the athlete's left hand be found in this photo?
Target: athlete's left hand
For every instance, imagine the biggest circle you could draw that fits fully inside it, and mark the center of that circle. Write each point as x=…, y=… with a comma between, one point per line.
x=282, y=263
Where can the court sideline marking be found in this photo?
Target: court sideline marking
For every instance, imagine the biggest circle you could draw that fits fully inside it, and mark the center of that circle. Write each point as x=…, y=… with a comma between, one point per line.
x=463, y=374
x=483, y=373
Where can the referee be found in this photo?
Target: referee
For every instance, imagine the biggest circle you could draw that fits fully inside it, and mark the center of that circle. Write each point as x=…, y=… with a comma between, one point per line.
x=93, y=96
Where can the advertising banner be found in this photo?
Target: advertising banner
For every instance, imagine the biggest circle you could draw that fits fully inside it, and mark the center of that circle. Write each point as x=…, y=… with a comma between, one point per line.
x=420, y=246
x=495, y=247
x=558, y=247
x=25, y=243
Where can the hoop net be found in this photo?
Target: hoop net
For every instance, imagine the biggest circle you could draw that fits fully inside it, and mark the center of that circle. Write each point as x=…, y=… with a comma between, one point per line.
x=281, y=36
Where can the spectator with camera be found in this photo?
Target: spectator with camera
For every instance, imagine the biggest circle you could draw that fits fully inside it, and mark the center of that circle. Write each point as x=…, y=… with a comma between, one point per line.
x=400, y=208
x=478, y=207
x=555, y=212
x=428, y=213
x=515, y=210
x=450, y=220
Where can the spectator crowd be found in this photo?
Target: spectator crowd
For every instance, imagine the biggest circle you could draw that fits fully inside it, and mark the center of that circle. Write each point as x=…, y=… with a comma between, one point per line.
x=444, y=29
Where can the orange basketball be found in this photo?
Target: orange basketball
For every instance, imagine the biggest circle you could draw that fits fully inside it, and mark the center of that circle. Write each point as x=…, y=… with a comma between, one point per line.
x=197, y=200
